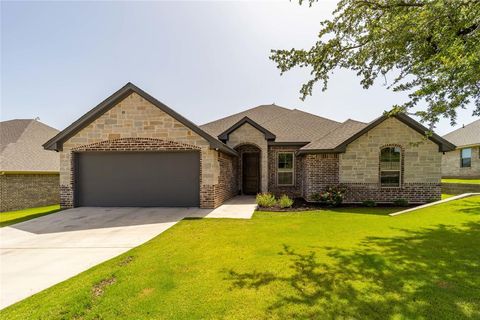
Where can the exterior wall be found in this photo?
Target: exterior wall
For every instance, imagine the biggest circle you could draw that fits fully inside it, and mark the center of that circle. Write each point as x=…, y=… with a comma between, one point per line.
x=459, y=188
x=292, y=191
x=320, y=171
x=227, y=186
x=136, y=118
x=359, y=166
x=20, y=191
x=451, y=164
x=248, y=134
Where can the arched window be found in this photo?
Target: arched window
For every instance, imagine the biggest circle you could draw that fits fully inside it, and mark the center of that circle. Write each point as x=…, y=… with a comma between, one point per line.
x=390, y=167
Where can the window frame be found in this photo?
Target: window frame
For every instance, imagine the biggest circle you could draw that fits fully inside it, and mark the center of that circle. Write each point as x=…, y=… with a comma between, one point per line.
x=399, y=170
x=283, y=170
x=462, y=158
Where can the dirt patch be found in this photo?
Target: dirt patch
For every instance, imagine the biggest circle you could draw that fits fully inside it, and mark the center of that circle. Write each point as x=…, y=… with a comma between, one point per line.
x=146, y=292
x=125, y=261
x=99, y=288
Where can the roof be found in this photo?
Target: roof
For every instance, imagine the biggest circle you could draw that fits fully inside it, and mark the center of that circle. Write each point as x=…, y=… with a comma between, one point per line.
x=21, y=147
x=335, y=137
x=465, y=136
x=56, y=143
x=350, y=130
x=268, y=135
x=286, y=124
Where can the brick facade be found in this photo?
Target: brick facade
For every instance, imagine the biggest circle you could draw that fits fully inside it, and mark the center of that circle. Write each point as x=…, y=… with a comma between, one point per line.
x=292, y=191
x=451, y=164
x=136, y=124
x=21, y=191
x=320, y=171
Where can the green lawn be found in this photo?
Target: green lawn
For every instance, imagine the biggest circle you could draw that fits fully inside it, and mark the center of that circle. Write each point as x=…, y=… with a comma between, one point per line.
x=12, y=217
x=471, y=181
x=332, y=264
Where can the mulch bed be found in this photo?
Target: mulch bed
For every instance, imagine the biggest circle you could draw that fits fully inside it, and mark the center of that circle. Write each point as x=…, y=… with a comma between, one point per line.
x=299, y=204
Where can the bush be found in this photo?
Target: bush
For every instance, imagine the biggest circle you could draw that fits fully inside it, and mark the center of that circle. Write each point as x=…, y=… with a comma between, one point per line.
x=266, y=200
x=332, y=197
x=369, y=203
x=285, y=201
x=400, y=202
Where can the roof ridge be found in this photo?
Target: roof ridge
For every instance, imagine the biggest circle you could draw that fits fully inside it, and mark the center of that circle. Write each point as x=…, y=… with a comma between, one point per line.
x=315, y=115
x=249, y=109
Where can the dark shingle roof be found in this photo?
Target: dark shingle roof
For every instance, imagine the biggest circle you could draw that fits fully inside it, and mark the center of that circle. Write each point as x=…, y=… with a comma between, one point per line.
x=465, y=136
x=337, y=136
x=21, y=146
x=286, y=124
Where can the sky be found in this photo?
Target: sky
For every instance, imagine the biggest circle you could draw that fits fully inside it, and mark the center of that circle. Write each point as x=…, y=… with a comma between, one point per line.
x=205, y=60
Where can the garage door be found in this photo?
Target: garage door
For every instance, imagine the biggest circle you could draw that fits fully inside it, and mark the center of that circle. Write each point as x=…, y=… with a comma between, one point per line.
x=138, y=179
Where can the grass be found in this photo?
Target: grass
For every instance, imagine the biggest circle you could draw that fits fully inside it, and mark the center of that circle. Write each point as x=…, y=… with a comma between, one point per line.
x=12, y=217
x=470, y=181
x=331, y=264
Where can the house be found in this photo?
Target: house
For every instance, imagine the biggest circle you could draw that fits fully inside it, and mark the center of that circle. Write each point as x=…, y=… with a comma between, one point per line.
x=29, y=175
x=132, y=150
x=464, y=161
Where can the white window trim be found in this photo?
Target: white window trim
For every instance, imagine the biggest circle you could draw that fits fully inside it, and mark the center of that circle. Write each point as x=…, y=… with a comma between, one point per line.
x=286, y=170
x=390, y=170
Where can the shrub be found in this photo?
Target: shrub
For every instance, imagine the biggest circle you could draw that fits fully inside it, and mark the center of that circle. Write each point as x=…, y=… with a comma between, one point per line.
x=369, y=203
x=285, y=201
x=266, y=200
x=333, y=196
x=400, y=202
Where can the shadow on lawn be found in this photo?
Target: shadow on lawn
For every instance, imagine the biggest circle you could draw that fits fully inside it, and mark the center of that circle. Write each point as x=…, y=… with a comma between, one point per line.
x=433, y=273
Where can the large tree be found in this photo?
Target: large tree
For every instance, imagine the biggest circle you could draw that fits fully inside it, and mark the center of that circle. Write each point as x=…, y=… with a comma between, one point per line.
x=430, y=49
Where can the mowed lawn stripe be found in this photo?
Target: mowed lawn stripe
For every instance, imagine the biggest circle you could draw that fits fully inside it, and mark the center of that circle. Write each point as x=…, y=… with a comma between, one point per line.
x=345, y=263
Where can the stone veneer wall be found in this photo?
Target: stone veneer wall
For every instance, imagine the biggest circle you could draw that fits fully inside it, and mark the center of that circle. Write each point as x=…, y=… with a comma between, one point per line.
x=359, y=166
x=320, y=171
x=132, y=118
x=292, y=191
x=248, y=134
x=21, y=191
x=451, y=164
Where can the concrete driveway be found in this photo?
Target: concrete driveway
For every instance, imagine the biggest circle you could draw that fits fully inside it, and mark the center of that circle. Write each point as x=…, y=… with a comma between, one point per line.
x=39, y=253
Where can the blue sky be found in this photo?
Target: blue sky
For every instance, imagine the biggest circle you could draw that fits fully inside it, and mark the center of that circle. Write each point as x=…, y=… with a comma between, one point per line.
x=203, y=59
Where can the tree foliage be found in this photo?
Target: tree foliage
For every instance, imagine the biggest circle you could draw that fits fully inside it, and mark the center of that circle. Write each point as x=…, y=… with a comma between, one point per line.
x=430, y=49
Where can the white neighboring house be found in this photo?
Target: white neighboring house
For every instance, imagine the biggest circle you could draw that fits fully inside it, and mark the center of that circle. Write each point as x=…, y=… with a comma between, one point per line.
x=464, y=161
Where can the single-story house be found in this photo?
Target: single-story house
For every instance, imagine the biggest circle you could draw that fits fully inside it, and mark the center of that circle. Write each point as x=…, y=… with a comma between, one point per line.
x=133, y=150
x=29, y=175
x=464, y=161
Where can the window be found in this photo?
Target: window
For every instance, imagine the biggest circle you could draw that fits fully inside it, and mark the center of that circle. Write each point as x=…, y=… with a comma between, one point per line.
x=466, y=158
x=390, y=167
x=285, y=169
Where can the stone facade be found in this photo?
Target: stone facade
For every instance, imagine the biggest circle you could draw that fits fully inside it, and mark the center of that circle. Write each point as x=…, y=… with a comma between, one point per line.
x=359, y=166
x=21, y=191
x=451, y=164
x=248, y=134
x=130, y=124
x=292, y=191
x=320, y=171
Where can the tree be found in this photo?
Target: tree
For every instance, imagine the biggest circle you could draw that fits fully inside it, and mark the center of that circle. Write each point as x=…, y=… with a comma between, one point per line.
x=430, y=49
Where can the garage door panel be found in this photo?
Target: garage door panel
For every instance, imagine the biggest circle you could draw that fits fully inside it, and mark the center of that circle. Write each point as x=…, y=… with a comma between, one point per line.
x=138, y=179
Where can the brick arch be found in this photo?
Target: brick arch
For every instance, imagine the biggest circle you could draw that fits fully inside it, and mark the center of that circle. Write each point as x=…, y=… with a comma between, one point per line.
x=402, y=161
x=135, y=144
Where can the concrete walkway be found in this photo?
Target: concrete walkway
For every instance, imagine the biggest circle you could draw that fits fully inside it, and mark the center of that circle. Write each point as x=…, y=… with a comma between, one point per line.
x=460, y=196
x=39, y=253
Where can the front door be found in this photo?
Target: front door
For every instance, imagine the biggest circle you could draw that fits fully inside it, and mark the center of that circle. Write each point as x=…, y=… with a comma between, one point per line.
x=251, y=173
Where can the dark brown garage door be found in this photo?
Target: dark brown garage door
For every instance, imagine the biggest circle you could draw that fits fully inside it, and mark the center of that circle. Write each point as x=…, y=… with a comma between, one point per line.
x=138, y=179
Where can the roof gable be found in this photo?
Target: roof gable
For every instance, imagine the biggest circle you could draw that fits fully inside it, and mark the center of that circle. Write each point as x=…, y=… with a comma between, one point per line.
x=443, y=145
x=56, y=143
x=268, y=135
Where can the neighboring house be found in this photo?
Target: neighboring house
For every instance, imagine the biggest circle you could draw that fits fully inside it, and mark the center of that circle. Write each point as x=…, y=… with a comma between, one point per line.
x=132, y=150
x=464, y=161
x=29, y=175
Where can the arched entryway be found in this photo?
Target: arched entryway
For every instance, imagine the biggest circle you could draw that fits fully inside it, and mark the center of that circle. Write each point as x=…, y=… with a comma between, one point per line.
x=249, y=177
